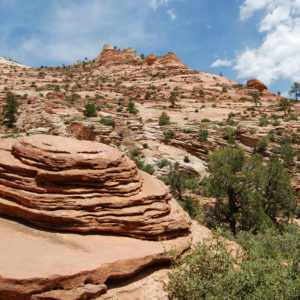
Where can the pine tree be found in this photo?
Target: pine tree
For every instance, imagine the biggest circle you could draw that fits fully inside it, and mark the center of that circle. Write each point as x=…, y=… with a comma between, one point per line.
x=295, y=89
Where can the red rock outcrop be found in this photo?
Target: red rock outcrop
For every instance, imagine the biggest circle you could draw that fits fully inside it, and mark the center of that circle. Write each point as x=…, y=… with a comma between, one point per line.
x=150, y=60
x=65, y=184
x=110, y=56
x=171, y=61
x=256, y=84
x=72, y=187
x=38, y=264
x=55, y=95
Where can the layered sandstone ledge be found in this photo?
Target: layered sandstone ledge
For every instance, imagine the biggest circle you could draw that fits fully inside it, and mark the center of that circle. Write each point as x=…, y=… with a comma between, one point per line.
x=37, y=264
x=81, y=186
x=90, y=195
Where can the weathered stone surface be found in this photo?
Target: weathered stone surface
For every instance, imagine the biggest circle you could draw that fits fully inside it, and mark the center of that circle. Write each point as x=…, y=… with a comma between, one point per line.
x=71, y=187
x=66, y=184
x=150, y=283
x=256, y=84
x=109, y=56
x=55, y=95
x=37, y=264
x=171, y=61
x=150, y=59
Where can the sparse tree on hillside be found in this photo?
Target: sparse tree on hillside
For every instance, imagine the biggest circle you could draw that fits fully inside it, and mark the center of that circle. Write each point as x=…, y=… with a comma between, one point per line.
x=10, y=109
x=164, y=119
x=295, y=89
x=284, y=105
x=173, y=99
x=131, y=108
x=255, y=97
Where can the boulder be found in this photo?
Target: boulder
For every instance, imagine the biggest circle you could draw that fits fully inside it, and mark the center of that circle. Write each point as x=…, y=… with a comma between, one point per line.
x=70, y=185
x=150, y=60
x=77, y=213
x=256, y=85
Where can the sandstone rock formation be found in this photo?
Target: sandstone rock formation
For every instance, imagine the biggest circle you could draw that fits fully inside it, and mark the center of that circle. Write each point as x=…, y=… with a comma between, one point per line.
x=110, y=56
x=55, y=95
x=73, y=186
x=66, y=184
x=171, y=61
x=150, y=60
x=256, y=84
x=38, y=264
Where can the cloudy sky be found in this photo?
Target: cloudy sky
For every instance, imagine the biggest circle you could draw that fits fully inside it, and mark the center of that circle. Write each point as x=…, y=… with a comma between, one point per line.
x=242, y=39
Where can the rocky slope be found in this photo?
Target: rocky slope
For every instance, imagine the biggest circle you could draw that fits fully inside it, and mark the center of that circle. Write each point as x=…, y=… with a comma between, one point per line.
x=209, y=111
x=52, y=101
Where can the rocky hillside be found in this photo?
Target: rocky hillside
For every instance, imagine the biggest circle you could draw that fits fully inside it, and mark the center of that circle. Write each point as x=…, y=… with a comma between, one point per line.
x=52, y=101
x=156, y=110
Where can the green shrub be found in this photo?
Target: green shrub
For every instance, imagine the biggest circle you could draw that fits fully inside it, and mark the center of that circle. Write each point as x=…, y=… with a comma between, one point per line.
x=90, y=110
x=202, y=135
x=141, y=165
x=192, y=206
x=162, y=163
x=186, y=159
x=237, y=86
x=188, y=130
x=201, y=93
x=131, y=108
x=249, y=191
x=205, y=120
x=164, y=119
x=228, y=132
x=269, y=270
x=262, y=145
x=276, y=123
x=263, y=121
x=108, y=122
x=231, y=140
x=169, y=134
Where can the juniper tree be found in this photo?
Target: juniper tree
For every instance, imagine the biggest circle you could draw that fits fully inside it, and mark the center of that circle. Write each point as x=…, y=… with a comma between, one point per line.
x=247, y=191
x=10, y=109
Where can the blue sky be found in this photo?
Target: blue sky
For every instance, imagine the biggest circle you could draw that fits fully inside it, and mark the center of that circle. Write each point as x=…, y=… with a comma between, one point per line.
x=243, y=39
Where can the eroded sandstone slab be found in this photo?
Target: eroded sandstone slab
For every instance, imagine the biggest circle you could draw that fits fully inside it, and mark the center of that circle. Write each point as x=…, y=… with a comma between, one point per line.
x=65, y=184
x=36, y=264
x=107, y=219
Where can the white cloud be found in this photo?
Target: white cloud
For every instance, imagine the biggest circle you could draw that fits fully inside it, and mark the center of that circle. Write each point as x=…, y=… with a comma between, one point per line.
x=73, y=31
x=251, y=6
x=172, y=14
x=156, y=3
x=221, y=62
x=279, y=54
